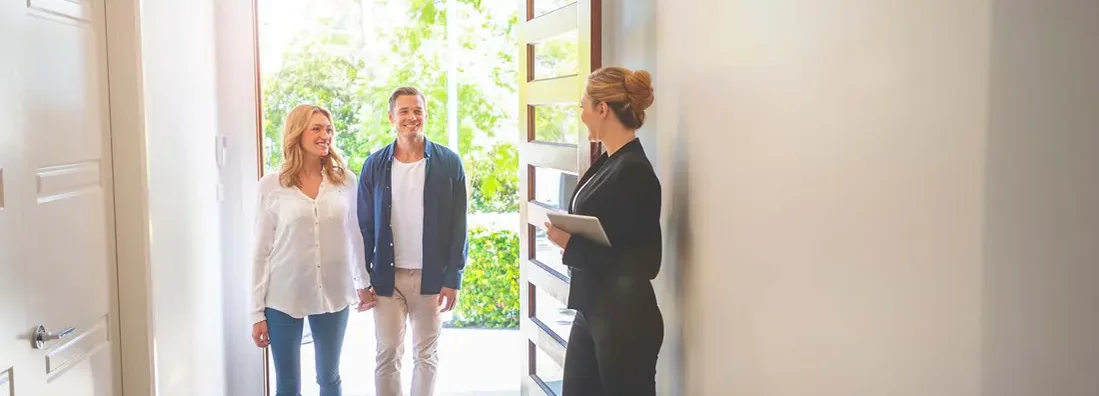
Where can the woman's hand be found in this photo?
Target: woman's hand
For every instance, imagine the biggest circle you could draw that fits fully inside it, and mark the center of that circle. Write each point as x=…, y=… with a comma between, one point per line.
x=557, y=236
x=367, y=299
x=260, y=335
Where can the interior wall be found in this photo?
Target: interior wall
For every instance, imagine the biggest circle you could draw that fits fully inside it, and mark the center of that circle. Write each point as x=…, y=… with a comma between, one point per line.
x=237, y=125
x=181, y=119
x=630, y=34
x=1041, y=274
x=831, y=155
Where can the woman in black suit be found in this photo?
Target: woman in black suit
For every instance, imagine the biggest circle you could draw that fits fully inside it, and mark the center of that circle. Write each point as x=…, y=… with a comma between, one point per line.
x=618, y=329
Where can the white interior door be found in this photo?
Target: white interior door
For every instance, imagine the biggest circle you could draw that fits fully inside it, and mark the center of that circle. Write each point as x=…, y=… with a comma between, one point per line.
x=57, y=219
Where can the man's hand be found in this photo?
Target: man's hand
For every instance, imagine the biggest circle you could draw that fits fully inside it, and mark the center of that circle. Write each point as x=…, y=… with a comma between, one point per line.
x=260, y=335
x=447, y=299
x=367, y=299
x=558, y=236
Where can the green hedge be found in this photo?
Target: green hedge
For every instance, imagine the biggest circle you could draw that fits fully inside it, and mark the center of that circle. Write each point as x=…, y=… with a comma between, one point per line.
x=490, y=286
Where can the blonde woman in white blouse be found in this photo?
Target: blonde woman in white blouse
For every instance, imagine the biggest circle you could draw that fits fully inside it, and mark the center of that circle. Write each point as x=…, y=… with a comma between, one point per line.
x=309, y=259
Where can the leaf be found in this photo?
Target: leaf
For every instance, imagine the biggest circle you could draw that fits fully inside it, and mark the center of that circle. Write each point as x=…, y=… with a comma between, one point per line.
x=352, y=75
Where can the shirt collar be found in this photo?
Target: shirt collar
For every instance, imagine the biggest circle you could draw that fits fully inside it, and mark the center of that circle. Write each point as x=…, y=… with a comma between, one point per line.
x=633, y=146
x=428, y=148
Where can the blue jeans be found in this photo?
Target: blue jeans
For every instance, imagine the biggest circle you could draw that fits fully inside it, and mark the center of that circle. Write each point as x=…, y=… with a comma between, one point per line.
x=285, y=332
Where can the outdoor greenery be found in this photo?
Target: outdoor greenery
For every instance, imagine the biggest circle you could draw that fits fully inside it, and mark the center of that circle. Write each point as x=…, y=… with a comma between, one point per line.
x=331, y=68
x=351, y=58
x=490, y=287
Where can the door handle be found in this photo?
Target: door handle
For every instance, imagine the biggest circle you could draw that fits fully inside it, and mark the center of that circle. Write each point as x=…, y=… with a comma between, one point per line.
x=41, y=335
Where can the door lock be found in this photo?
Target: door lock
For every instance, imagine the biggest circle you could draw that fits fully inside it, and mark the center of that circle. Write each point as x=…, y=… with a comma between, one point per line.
x=41, y=335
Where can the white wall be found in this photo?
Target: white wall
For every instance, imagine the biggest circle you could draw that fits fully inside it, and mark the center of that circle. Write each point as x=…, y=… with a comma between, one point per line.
x=237, y=104
x=181, y=113
x=630, y=35
x=874, y=197
x=831, y=155
x=1041, y=323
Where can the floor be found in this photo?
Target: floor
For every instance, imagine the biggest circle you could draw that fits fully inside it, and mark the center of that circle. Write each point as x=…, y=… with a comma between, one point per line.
x=472, y=362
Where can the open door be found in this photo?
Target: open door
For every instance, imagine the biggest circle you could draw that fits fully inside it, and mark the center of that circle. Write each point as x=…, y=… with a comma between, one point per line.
x=59, y=323
x=559, y=46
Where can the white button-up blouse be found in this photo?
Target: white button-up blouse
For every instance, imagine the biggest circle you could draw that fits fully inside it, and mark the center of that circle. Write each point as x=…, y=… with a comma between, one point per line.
x=309, y=256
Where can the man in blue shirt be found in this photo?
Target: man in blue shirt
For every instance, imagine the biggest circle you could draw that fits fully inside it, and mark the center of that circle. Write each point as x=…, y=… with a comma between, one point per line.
x=412, y=213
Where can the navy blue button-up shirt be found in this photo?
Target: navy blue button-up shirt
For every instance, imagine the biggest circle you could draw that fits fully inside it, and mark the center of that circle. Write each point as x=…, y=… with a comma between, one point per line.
x=445, y=236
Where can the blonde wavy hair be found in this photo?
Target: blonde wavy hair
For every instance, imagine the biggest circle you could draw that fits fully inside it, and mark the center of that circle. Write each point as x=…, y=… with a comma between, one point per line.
x=293, y=155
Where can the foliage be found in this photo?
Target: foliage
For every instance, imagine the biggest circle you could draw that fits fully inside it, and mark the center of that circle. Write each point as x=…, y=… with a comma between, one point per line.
x=322, y=78
x=490, y=286
x=498, y=193
x=351, y=59
x=556, y=123
x=331, y=70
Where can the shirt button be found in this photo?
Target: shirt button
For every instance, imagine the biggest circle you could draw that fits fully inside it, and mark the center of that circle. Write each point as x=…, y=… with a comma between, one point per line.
x=390, y=264
x=391, y=244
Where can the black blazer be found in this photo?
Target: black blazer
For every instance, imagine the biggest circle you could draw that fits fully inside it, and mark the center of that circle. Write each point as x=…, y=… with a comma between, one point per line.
x=624, y=193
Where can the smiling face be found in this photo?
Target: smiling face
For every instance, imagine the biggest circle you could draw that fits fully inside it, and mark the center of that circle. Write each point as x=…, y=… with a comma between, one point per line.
x=317, y=137
x=408, y=115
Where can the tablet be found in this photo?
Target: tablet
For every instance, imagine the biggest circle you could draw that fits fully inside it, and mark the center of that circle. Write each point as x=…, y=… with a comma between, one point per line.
x=586, y=226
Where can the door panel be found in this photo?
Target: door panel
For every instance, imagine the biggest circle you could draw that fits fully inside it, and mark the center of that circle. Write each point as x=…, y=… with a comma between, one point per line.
x=546, y=254
x=559, y=41
x=552, y=187
x=538, y=8
x=547, y=374
x=59, y=200
x=554, y=123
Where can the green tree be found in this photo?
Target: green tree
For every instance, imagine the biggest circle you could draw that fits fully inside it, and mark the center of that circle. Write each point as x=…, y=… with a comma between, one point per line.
x=495, y=183
x=329, y=69
x=324, y=78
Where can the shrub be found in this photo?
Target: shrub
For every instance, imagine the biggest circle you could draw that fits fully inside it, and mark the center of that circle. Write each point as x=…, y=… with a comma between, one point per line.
x=490, y=286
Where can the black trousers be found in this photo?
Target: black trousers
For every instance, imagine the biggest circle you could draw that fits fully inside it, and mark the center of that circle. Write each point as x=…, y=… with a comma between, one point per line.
x=614, y=353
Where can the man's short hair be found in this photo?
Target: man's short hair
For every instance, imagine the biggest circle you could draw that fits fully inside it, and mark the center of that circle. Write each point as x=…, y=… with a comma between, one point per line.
x=403, y=91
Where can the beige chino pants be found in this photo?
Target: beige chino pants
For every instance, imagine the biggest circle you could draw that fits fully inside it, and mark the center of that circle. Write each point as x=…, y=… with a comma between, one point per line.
x=390, y=316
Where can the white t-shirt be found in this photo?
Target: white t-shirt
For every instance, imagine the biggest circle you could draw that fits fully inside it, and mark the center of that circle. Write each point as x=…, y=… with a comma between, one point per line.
x=407, y=213
x=309, y=256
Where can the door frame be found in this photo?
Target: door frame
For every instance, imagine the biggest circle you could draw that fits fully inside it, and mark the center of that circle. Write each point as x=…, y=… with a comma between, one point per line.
x=128, y=139
x=260, y=154
x=132, y=234
x=585, y=17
